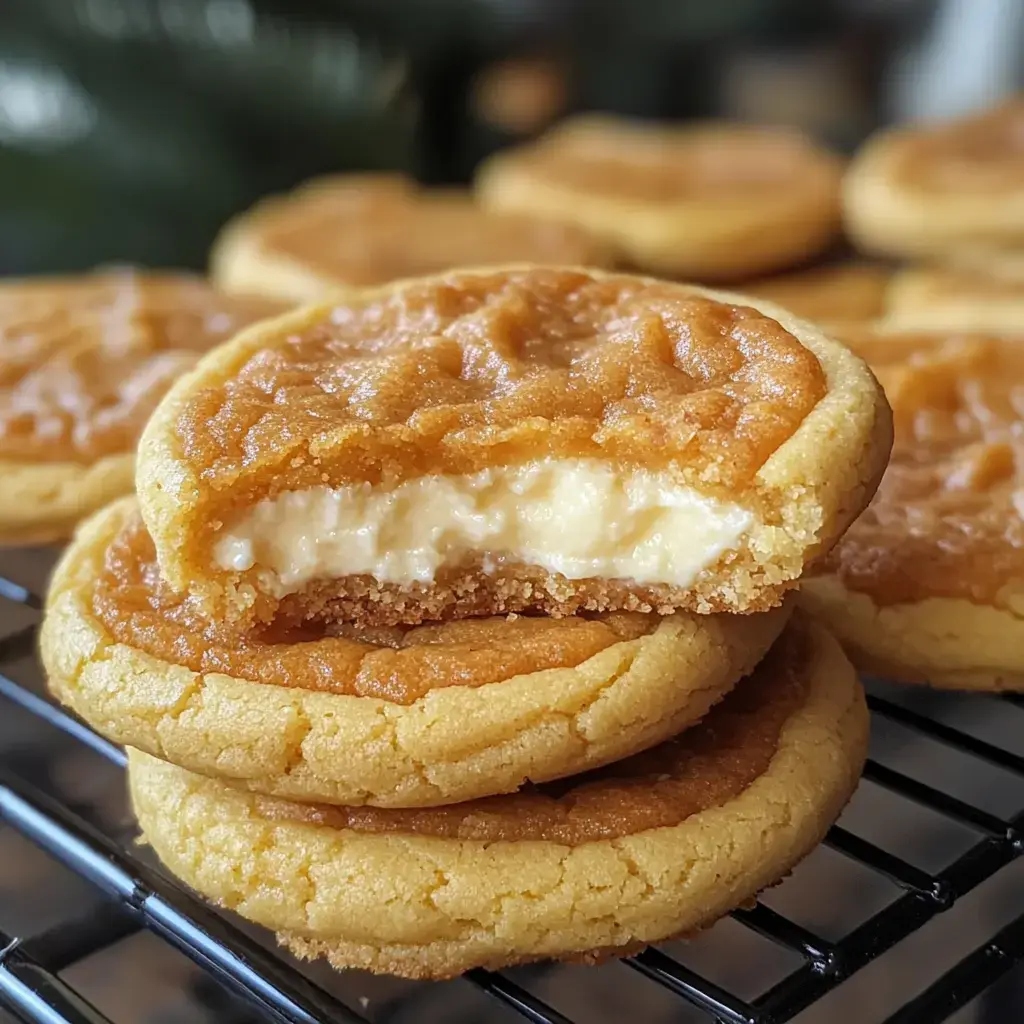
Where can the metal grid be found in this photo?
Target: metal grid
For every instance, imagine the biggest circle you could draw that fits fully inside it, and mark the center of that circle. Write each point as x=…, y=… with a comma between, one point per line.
x=255, y=983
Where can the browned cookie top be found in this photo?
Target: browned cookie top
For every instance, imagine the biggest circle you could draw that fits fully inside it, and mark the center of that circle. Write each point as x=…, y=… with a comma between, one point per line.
x=947, y=518
x=85, y=360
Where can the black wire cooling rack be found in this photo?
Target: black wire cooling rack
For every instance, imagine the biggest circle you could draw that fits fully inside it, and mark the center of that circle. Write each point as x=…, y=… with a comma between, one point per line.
x=912, y=911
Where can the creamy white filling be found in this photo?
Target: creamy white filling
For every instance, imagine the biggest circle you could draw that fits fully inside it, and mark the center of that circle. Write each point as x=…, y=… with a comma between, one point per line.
x=577, y=517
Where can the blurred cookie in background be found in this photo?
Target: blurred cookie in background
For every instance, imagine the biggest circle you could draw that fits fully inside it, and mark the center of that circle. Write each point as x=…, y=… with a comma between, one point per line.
x=349, y=231
x=836, y=294
x=707, y=201
x=927, y=585
x=980, y=292
x=931, y=191
x=83, y=362
x=520, y=95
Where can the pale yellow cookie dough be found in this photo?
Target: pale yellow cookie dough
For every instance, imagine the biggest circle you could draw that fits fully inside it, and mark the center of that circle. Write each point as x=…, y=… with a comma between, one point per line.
x=454, y=742
x=533, y=876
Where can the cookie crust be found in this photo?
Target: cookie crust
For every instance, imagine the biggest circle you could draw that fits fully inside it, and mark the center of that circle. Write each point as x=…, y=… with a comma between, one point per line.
x=697, y=236
x=249, y=258
x=454, y=743
x=43, y=501
x=956, y=298
x=820, y=477
x=889, y=213
x=421, y=906
x=943, y=642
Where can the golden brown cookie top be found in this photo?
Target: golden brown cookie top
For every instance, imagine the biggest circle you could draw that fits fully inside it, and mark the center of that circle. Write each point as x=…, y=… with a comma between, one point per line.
x=476, y=368
x=657, y=163
x=946, y=520
x=84, y=360
x=848, y=292
x=982, y=153
x=403, y=409
x=399, y=664
x=704, y=767
x=371, y=229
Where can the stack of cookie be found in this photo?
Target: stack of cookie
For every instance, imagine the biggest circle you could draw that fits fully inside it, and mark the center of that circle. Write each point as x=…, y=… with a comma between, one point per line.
x=926, y=587
x=951, y=195
x=448, y=628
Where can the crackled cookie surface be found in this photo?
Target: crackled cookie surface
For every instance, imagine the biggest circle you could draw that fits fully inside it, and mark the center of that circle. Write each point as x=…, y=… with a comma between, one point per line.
x=707, y=201
x=935, y=189
x=928, y=584
x=348, y=231
x=652, y=847
x=503, y=440
x=83, y=362
x=394, y=716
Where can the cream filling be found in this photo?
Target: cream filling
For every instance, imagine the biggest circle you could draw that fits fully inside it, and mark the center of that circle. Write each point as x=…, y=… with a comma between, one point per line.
x=577, y=517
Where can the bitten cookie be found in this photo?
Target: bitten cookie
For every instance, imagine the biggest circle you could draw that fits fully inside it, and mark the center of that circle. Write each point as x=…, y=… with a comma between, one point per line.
x=711, y=202
x=928, y=584
x=394, y=717
x=83, y=362
x=647, y=849
x=932, y=190
x=349, y=231
x=507, y=440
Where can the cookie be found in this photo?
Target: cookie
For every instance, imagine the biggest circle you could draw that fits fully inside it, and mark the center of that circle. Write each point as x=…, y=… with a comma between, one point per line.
x=399, y=717
x=928, y=584
x=844, y=293
x=341, y=232
x=931, y=190
x=711, y=202
x=644, y=850
x=83, y=362
x=507, y=440
x=977, y=296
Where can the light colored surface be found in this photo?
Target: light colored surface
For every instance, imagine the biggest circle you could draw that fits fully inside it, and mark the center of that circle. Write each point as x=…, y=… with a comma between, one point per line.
x=578, y=517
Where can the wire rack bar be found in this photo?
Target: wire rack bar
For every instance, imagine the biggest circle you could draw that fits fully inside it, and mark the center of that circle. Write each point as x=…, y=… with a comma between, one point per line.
x=897, y=870
x=190, y=926
x=15, y=592
x=509, y=993
x=891, y=925
x=33, y=993
x=968, y=979
x=144, y=897
x=789, y=934
x=66, y=943
x=60, y=719
x=947, y=735
x=934, y=799
x=705, y=994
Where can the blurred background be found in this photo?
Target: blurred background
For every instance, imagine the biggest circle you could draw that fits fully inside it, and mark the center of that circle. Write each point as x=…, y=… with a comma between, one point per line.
x=131, y=129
